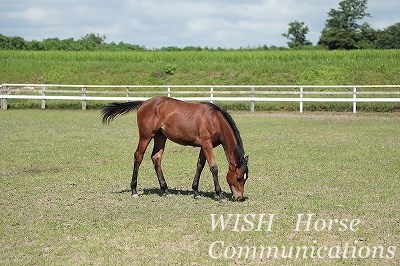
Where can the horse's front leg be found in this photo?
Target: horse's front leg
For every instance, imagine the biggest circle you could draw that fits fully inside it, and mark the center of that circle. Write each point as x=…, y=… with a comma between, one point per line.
x=200, y=165
x=209, y=154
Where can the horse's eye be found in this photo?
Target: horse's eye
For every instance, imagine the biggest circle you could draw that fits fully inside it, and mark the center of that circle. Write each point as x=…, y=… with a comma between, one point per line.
x=239, y=179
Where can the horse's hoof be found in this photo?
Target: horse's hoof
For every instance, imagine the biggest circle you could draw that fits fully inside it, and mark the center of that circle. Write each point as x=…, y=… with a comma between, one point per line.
x=135, y=196
x=166, y=193
x=196, y=194
x=221, y=198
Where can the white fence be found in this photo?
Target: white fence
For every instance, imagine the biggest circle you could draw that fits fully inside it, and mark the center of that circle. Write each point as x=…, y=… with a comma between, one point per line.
x=230, y=93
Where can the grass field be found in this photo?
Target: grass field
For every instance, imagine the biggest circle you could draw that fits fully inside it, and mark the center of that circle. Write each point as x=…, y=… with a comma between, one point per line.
x=366, y=67
x=65, y=200
x=217, y=67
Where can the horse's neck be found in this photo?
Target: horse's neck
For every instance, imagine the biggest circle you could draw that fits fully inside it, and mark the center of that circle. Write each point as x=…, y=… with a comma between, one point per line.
x=229, y=143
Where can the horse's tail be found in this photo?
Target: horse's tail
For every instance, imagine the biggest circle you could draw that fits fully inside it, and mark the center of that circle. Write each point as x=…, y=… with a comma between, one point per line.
x=115, y=109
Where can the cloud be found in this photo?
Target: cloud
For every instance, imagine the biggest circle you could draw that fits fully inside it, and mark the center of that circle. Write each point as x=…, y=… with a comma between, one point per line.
x=34, y=15
x=156, y=23
x=210, y=23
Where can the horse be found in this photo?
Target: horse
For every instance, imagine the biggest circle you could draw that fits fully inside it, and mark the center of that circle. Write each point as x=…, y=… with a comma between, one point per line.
x=203, y=125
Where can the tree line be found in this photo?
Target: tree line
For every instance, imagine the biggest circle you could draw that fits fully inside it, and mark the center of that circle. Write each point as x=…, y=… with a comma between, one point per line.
x=90, y=42
x=342, y=31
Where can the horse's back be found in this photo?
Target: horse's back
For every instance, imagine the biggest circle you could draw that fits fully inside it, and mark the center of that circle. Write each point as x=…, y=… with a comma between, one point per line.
x=182, y=122
x=164, y=106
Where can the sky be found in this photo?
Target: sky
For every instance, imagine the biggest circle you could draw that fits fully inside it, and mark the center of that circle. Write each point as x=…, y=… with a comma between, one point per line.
x=156, y=24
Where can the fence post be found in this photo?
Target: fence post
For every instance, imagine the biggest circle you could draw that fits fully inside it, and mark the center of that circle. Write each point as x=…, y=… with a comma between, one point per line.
x=169, y=91
x=127, y=92
x=84, y=102
x=252, y=99
x=354, y=98
x=301, y=99
x=211, y=94
x=4, y=90
x=43, y=93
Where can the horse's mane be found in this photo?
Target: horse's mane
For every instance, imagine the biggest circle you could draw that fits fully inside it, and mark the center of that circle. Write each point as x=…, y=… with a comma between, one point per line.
x=239, y=148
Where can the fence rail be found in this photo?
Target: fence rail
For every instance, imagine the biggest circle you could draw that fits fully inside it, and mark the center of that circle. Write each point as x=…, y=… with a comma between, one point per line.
x=224, y=93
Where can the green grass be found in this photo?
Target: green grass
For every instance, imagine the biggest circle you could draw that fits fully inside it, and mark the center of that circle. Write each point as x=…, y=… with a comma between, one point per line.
x=366, y=67
x=64, y=180
x=205, y=67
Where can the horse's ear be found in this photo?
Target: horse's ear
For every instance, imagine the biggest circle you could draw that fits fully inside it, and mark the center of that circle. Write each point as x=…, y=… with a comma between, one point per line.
x=246, y=158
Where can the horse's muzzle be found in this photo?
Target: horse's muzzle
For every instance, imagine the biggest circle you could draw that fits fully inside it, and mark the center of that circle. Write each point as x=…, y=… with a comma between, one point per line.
x=237, y=199
x=236, y=195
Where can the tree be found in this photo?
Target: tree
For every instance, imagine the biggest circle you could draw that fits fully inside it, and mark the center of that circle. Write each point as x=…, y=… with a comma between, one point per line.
x=342, y=30
x=297, y=34
x=35, y=46
x=368, y=37
x=4, y=42
x=93, y=41
x=389, y=38
x=17, y=43
x=51, y=44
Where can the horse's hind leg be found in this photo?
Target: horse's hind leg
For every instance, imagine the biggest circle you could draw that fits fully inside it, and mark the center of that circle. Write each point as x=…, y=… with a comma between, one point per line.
x=138, y=158
x=156, y=156
x=200, y=165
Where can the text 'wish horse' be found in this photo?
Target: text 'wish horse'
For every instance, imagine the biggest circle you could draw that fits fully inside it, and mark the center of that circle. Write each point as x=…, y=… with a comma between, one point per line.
x=203, y=125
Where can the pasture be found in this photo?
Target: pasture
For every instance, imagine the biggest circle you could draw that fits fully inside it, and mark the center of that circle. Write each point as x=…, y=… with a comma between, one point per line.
x=294, y=67
x=364, y=67
x=65, y=199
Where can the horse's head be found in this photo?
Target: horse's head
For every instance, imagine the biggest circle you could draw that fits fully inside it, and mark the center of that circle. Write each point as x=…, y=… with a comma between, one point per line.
x=237, y=177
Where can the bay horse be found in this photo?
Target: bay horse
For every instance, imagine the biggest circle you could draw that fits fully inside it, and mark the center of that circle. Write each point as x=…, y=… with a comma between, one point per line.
x=203, y=125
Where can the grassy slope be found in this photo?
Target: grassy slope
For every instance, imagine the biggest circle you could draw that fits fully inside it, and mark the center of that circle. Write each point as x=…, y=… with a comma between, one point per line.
x=223, y=67
x=64, y=182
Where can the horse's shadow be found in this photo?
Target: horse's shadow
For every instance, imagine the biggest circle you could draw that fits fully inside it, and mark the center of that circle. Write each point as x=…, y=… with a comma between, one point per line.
x=157, y=191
